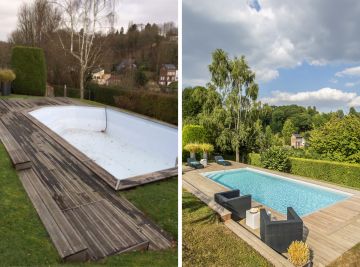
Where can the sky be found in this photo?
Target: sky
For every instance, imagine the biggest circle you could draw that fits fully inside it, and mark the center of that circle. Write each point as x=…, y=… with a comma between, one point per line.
x=303, y=52
x=137, y=11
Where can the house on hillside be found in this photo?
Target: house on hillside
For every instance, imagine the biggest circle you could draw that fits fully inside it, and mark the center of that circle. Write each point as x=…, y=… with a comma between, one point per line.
x=168, y=74
x=125, y=65
x=297, y=141
x=99, y=76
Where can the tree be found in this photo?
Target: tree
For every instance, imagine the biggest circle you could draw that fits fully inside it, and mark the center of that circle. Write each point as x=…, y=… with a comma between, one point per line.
x=338, y=139
x=287, y=131
x=236, y=83
x=82, y=20
x=352, y=111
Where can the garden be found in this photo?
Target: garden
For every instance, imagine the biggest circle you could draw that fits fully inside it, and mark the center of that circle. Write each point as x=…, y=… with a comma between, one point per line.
x=227, y=119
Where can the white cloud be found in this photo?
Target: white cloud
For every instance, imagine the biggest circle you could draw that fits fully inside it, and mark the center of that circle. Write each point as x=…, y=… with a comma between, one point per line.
x=354, y=71
x=324, y=99
x=266, y=75
x=272, y=38
x=349, y=84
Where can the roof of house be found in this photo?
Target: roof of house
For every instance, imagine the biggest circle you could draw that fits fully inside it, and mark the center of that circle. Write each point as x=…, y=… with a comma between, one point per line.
x=96, y=70
x=297, y=135
x=169, y=66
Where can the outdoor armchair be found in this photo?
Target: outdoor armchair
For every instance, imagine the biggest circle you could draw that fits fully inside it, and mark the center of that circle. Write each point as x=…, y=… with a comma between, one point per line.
x=232, y=201
x=279, y=234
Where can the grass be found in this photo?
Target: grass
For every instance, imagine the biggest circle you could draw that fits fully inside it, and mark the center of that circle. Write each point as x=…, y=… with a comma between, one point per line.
x=159, y=202
x=207, y=242
x=349, y=258
x=25, y=242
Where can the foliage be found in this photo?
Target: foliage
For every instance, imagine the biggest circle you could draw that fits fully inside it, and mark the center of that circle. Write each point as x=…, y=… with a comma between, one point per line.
x=140, y=78
x=7, y=75
x=193, y=134
x=275, y=158
x=335, y=172
x=299, y=253
x=192, y=147
x=30, y=69
x=349, y=258
x=173, y=86
x=206, y=242
x=254, y=159
x=236, y=83
x=338, y=139
x=207, y=148
x=287, y=131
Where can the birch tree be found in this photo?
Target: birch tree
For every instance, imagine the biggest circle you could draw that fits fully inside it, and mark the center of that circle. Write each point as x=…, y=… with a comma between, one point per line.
x=236, y=82
x=83, y=22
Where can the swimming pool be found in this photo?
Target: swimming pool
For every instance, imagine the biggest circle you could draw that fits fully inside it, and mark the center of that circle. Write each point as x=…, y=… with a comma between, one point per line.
x=278, y=192
x=124, y=144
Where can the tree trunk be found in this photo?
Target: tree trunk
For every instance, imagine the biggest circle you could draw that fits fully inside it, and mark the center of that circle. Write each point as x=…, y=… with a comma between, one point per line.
x=237, y=152
x=81, y=84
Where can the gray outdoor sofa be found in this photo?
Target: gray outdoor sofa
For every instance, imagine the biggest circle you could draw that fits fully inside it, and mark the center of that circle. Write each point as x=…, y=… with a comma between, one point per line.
x=194, y=163
x=220, y=160
x=279, y=234
x=232, y=201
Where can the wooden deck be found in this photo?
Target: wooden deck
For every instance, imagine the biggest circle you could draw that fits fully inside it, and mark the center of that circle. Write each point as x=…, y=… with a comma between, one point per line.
x=329, y=232
x=84, y=217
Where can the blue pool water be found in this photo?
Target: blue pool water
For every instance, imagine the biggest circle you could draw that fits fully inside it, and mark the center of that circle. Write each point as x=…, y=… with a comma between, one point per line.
x=276, y=192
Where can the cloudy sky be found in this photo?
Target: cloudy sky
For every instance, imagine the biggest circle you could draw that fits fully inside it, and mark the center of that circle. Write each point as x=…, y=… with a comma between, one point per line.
x=303, y=52
x=138, y=11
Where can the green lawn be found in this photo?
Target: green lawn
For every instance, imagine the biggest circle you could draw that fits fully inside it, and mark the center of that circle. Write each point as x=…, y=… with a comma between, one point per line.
x=207, y=242
x=25, y=242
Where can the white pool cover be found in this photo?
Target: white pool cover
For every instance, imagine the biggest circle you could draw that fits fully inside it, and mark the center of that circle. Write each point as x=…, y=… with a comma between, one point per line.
x=126, y=146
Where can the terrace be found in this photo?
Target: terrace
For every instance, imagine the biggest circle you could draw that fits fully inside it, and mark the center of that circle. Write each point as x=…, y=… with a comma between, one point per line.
x=84, y=217
x=330, y=232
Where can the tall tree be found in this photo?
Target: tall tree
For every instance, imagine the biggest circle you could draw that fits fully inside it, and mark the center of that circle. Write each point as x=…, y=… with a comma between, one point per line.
x=83, y=20
x=236, y=82
x=287, y=131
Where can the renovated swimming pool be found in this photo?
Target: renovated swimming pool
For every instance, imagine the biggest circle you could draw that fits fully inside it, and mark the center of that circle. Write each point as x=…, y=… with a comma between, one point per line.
x=278, y=192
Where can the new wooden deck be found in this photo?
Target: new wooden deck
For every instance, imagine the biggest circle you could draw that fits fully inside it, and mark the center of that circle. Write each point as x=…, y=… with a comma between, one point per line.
x=329, y=232
x=84, y=217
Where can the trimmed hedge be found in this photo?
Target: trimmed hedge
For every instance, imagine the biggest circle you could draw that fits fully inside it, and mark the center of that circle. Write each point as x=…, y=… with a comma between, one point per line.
x=347, y=174
x=335, y=172
x=160, y=106
x=29, y=66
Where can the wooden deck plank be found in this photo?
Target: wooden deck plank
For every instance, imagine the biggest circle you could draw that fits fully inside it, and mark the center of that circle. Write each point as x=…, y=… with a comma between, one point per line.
x=107, y=223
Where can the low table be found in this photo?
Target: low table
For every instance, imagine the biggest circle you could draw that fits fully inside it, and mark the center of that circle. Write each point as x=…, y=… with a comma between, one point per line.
x=253, y=219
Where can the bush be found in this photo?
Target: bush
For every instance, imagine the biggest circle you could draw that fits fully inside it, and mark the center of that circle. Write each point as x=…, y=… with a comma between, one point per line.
x=299, y=253
x=275, y=158
x=193, y=134
x=347, y=174
x=254, y=159
x=30, y=69
x=7, y=75
x=192, y=148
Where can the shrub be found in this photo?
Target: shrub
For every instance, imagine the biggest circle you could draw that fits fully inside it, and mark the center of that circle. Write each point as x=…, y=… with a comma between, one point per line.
x=299, y=253
x=335, y=172
x=7, y=75
x=30, y=69
x=193, y=134
x=275, y=158
x=254, y=159
x=207, y=148
x=192, y=148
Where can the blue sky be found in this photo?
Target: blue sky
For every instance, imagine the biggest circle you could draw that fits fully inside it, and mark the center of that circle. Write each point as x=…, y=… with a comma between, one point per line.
x=303, y=52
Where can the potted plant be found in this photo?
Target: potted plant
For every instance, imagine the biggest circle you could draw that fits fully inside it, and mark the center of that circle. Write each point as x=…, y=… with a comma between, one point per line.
x=206, y=149
x=6, y=77
x=192, y=148
x=299, y=254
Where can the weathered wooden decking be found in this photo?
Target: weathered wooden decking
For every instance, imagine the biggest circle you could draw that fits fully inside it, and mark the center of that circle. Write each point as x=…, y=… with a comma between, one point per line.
x=329, y=232
x=84, y=217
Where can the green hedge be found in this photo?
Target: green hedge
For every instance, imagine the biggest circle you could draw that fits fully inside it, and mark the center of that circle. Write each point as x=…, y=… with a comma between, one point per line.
x=160, y=106
x=340, y=173
x=193, y=134
x=30, y=69
x=335, y=172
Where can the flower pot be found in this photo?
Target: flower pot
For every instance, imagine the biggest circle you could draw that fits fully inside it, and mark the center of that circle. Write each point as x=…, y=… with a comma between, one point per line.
x=192, y=155
x=6, y=88
x=205, y=156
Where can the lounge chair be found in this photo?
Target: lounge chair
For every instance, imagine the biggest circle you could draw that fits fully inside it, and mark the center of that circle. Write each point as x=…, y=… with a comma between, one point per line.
x=194, y=163
x=232, y=201
x=279, y=234
x=220, y=160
